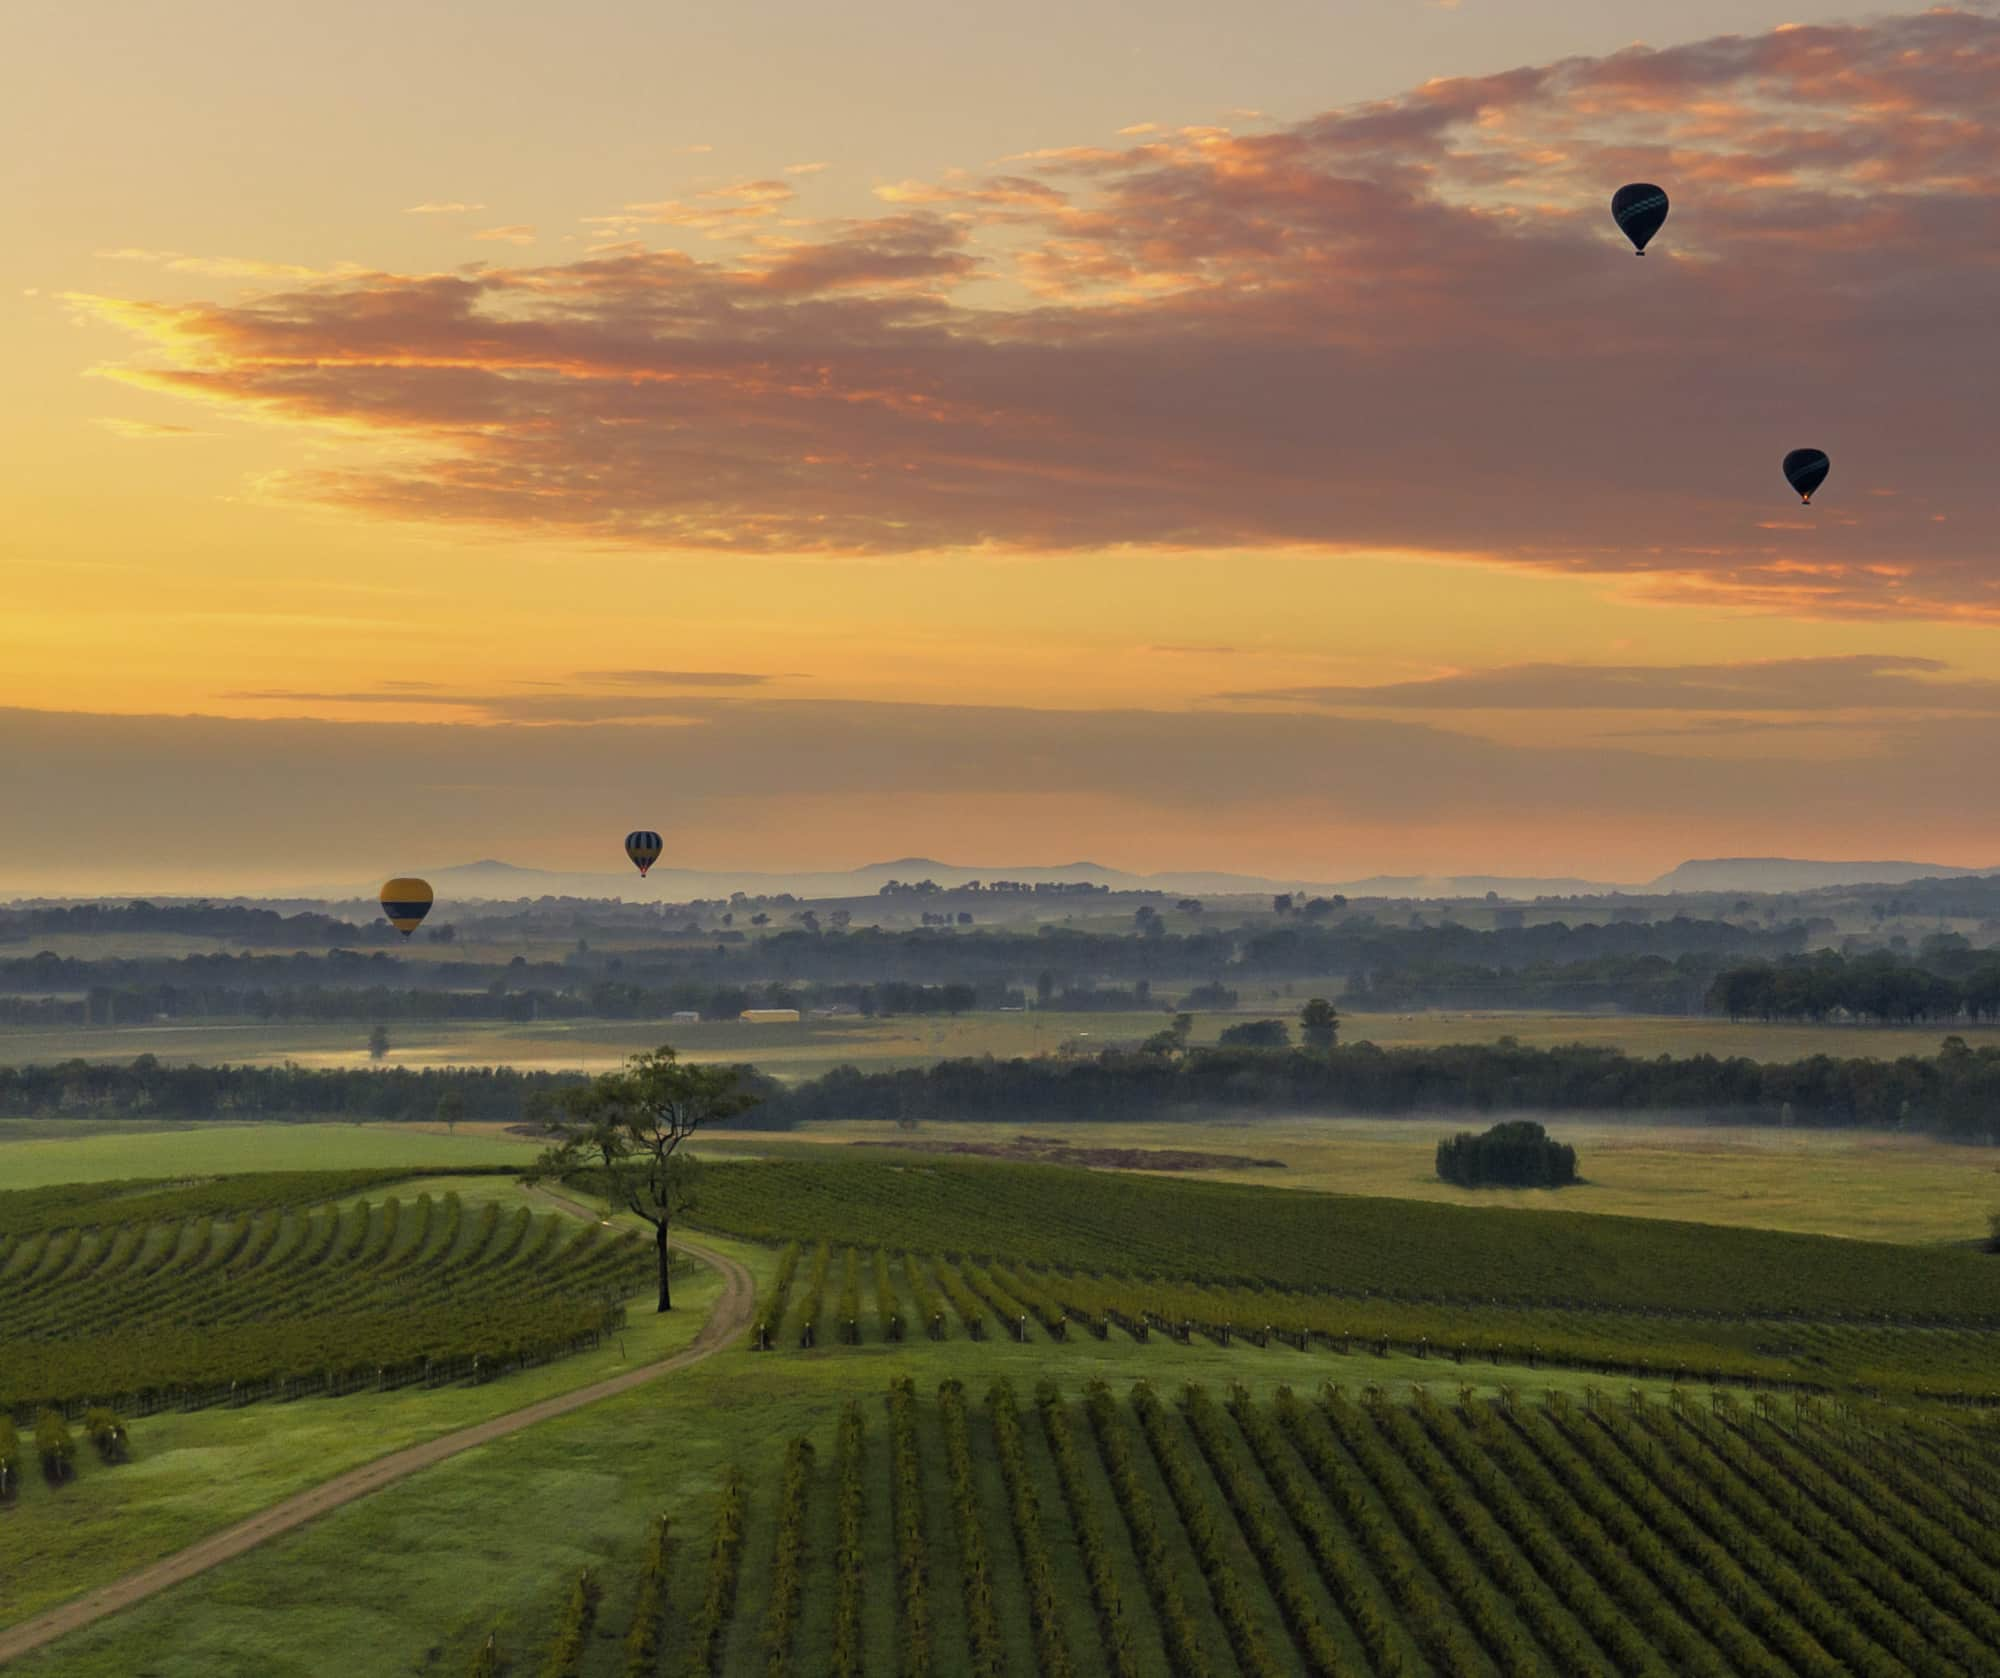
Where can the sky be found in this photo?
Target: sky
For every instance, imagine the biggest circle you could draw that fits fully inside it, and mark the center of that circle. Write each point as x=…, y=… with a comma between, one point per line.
x=1181, y=436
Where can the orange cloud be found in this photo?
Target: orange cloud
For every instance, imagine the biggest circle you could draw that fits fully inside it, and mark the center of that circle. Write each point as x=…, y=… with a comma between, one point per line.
x=1405, y=325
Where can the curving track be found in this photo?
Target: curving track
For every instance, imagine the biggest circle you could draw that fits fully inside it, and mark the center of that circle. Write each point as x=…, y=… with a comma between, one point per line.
x=730, y=1317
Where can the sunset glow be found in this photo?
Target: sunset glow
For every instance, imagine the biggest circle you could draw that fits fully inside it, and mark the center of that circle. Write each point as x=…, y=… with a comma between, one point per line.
x=1153, y=469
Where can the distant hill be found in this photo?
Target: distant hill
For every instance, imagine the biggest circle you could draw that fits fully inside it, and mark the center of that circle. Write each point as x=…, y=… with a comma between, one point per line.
x=504, y=880
x=1779, y=873
x=1522, y=886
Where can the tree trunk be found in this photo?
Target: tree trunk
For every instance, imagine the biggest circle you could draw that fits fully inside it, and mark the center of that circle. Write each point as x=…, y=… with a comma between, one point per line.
x=660, y=1247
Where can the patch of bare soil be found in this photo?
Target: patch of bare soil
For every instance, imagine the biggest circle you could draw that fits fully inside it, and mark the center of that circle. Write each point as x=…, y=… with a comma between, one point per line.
x=1052, y=1150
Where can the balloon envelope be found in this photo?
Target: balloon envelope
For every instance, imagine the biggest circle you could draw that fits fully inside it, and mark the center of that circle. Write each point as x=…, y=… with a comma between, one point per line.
x=406, y=902
x=1639, y=210
x=644, y=848
x=1806, y=470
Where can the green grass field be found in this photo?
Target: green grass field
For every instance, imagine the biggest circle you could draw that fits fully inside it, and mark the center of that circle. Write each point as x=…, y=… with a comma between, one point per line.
x=34, y=1153
x=814, y=1046
x=195, y=1473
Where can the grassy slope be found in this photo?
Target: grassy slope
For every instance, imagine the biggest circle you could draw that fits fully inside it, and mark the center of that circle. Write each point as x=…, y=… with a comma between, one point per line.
x=1116, y=1221
x=104, y=1155
x=493, y=1538
x=196, y=1473
x=1817, y=1182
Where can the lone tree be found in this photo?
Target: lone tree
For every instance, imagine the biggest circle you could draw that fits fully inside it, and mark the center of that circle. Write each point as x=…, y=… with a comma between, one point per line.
x=622, y=1132
x=378, y=1042
x=1517, y=1153
x=450, y=1109
x=1319, y=1024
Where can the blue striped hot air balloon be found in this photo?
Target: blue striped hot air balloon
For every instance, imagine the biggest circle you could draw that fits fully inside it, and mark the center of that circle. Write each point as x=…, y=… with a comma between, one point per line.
x=406, y=902
x=1640, y=211
x=644, y=848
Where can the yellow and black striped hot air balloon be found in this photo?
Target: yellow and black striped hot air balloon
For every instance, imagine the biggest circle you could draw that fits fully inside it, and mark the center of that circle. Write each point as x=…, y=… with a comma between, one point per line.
x=406, y=902
x=644, y=848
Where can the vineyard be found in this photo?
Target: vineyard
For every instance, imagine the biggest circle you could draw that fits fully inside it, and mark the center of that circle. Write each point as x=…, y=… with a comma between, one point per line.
x=817, y=1302
x=264, y=1287
x=1356, y=1245
x=1138, y=1533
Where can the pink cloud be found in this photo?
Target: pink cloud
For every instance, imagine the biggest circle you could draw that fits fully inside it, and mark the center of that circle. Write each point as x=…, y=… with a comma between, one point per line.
x=1404, y=325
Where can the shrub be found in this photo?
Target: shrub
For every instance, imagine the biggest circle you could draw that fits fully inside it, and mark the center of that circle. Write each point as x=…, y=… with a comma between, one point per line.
x=1517, y=1154
x=107, y=1433
x=565, y=1656
x=55, y=1446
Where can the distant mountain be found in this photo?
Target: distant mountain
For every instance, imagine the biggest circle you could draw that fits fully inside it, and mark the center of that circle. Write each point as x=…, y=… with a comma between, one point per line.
x=1778, y=873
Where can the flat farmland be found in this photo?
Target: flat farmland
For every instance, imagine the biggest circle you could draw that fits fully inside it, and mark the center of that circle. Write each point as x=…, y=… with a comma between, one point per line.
x=814, y=1046
x=36, y=1153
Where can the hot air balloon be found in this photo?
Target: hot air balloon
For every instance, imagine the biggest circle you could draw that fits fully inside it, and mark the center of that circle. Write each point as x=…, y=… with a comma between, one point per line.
x=1805, y=471
x=406, y=902
x=1639, y=210
x=644, y=848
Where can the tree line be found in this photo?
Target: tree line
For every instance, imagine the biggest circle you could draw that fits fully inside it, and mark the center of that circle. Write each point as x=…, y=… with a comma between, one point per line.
x=105, y=1005
x=1954, y=1093
x=1876, y=987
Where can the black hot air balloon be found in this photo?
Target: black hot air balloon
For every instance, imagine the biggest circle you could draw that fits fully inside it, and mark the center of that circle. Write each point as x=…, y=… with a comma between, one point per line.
x=406, y=902
x=1639, y=209
x=644, y=848
x=1805, y=471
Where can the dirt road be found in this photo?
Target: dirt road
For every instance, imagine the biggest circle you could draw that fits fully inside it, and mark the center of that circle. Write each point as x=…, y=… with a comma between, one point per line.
x=730, y=1318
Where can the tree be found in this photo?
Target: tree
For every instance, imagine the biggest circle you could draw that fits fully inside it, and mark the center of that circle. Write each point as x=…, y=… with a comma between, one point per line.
x=1515, y=1154
x=1319, y=1024
x=1281, y=904
x=450, y=1109
x=378, y=1042
x=1256, y=1034
x=623, y=1131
